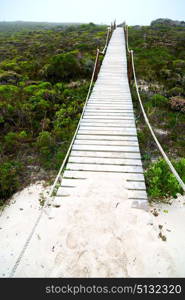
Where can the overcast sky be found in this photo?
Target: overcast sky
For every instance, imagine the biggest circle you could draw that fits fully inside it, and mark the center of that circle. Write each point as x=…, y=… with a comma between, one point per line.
x=140, y=12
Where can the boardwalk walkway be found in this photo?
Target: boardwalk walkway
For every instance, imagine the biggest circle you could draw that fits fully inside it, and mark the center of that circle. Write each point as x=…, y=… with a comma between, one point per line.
x=107, y=138
x=103, y=177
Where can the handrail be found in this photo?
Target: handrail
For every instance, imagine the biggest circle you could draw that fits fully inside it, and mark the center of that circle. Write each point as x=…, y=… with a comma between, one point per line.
x=148, y=123
x=126, y=37
x=107, y=40
x=74, y=136
x=98, y=52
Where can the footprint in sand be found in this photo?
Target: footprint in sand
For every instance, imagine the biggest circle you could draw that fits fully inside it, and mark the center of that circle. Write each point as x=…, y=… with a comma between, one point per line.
x=71, y=240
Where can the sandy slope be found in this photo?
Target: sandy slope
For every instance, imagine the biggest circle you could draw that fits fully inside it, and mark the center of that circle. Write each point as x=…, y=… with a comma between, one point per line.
x=93, y=239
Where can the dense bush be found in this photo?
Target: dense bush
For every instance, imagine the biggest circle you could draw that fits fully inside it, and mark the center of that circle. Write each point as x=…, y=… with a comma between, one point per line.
x=157, y=100
x=160, y=181
x=10, y=173
x=159, y=54
x=44, y=78
x=160, y=67
x=64, y=66
x=175, y=91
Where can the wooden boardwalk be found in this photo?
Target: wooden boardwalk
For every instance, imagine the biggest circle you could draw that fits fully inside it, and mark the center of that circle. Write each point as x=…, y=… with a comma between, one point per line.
x=107, y=138
x=103, y=181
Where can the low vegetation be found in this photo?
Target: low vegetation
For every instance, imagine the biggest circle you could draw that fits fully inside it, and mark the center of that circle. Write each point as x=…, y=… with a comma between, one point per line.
x=44, y=77
x=161, y=183
x=160, y=66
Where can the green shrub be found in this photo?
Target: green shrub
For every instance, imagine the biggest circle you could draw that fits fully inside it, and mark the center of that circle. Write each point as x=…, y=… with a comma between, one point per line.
x=9, y=179
x=9, y=77
x=63, y=66
x=45, y=85
x=179, y=65
x=13, y=140
x=30, y=89
x=157, y=100
x=8, y=91
x=160, y=181
x=45, y=145
x=176, y=91
x=44, y=139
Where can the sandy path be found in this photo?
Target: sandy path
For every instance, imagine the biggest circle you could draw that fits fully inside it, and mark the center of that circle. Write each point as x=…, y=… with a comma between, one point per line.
x=92, y=238
x=16, y=222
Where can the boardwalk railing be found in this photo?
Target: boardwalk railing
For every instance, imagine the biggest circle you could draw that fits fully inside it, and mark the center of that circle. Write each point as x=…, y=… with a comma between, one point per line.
x=93, y=78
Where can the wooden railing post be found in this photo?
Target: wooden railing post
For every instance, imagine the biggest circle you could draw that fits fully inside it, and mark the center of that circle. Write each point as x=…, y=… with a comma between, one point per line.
x=114, y=24
x=97, y=65
x=130, y=71
x=125, y=31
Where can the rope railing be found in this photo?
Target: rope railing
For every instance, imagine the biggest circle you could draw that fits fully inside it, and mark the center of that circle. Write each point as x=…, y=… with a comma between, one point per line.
x=58, y=177
x=107, y=40
x=131, y=52
x=74, y=136
x=94, y=75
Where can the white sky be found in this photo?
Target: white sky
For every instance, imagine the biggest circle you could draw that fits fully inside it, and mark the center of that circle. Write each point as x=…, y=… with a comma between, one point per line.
x=140, y=12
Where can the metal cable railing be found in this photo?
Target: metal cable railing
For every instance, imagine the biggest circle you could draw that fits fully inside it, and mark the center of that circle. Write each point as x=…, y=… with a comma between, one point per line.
x=131, y=52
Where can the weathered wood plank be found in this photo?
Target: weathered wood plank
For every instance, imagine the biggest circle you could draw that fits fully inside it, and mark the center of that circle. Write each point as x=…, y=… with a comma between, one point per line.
x=107, y=168
x=105, y=137
x=134, y=149
x=86, y=174
x=104, y=161
x=108, y=143
x=125, y=132
x=109, y=154
x=136, y=194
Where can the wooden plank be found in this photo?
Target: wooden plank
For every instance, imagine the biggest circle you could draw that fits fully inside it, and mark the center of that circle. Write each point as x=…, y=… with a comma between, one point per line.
x=123, y=97
x=105, y=114
x=108, y=154
x=135, y=185
x=136, y=194
x=69, y=182
x=102, y=94
x=134, y=149
x=104, y=161
x=114, y=108
x=103, y=122
x=106, y=168
x=108, y=110
x=63, y=192
x=109, y=102
x=106, y=125
x=108, y=143
x=113, y=118
x=86, y=174
x=105, y=137
x=116, y=128
x=109, y=106
x=126, y=132
x=113, y=114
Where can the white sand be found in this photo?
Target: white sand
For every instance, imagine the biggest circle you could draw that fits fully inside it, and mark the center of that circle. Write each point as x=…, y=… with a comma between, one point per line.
x=89, y=238
x=16, y=222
